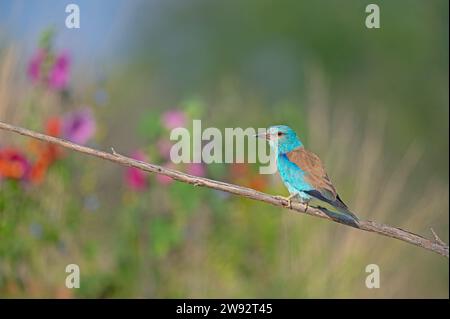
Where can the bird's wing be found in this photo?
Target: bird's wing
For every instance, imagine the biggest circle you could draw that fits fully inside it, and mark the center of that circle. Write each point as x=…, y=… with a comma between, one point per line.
x=315, y=173
x=317, y=177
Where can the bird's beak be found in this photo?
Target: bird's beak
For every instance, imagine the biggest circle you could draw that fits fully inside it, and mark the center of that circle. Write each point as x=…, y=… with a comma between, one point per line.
x=264, y=136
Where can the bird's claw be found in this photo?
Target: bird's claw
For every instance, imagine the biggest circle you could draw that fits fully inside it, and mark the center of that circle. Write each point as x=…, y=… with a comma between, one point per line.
x=306, y=207
x=289, y=205
x=289, y=202
x=288, y=199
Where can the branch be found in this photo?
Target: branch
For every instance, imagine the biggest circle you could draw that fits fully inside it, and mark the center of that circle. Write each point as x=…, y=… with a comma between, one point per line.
x=436, y=244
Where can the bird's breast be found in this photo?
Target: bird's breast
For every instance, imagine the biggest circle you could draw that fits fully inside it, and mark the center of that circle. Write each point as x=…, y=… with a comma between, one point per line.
x=292, y=175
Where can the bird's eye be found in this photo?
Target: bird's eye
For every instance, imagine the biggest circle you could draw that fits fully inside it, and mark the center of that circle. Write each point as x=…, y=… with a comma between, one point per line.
x=280, y=134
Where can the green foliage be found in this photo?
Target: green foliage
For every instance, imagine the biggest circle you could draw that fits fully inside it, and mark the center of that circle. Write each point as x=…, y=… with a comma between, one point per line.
x=149, y=126
x=164, y=236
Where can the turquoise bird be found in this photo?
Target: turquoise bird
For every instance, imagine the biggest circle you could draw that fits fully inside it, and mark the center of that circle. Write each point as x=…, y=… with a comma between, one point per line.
x=301, y=170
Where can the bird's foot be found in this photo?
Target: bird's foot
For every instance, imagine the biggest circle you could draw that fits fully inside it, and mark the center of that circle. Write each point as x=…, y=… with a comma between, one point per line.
x=306, y=206
x=288, y=199
x=289, y=202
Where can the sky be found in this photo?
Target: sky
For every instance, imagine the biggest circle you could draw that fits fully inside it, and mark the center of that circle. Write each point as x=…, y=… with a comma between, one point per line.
x=100, y=37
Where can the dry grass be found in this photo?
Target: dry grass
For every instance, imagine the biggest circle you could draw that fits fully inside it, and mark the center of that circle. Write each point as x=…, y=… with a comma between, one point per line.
x=21, y=103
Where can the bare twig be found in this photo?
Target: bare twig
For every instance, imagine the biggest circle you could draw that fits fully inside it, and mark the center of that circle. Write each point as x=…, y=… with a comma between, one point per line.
x=436, y=237
x=436, y=244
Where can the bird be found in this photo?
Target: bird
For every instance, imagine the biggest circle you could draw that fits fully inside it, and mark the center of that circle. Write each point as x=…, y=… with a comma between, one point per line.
x=302, y=171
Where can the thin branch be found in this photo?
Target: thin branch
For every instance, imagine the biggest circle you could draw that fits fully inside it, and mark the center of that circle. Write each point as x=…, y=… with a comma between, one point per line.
x=436, y=237
x=435, y=244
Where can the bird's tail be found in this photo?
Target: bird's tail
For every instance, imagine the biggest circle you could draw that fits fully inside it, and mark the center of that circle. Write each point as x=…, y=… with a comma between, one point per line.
x=342, y=208
x=346, y=211
x=336, y=203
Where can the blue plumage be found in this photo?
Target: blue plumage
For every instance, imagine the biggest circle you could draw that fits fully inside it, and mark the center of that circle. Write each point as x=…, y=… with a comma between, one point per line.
x=301, y=170
x=293, y=177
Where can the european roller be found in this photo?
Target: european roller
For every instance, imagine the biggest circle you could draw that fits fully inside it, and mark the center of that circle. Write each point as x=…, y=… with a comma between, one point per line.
x=301, y=170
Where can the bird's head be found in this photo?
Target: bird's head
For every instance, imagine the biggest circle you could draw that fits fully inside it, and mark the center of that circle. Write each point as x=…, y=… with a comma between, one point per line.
x=281, y=138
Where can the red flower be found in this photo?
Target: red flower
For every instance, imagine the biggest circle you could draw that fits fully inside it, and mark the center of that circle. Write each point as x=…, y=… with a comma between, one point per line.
x=258, y=182
x=53, y=126
x=39, y=170
x=45, y=153
x=13, y=164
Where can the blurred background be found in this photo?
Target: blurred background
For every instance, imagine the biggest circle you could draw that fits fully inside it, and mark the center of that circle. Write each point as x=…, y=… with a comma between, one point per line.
x=373, y=103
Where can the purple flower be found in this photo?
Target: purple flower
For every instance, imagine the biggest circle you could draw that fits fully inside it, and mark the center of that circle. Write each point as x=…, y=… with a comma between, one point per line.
x=35, y=65
x=172, y=119
x=59, y=74
x=135, y=178
x=196, y=169
x=79, y=126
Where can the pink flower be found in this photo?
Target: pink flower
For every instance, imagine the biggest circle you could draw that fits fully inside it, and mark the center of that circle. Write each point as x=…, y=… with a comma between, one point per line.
x=172, y=119
x=59, y=74
x=163, y=179
x=135, y=178
x=79, y=126
x=35, y=65
x=164, y=146
x=196, y=169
